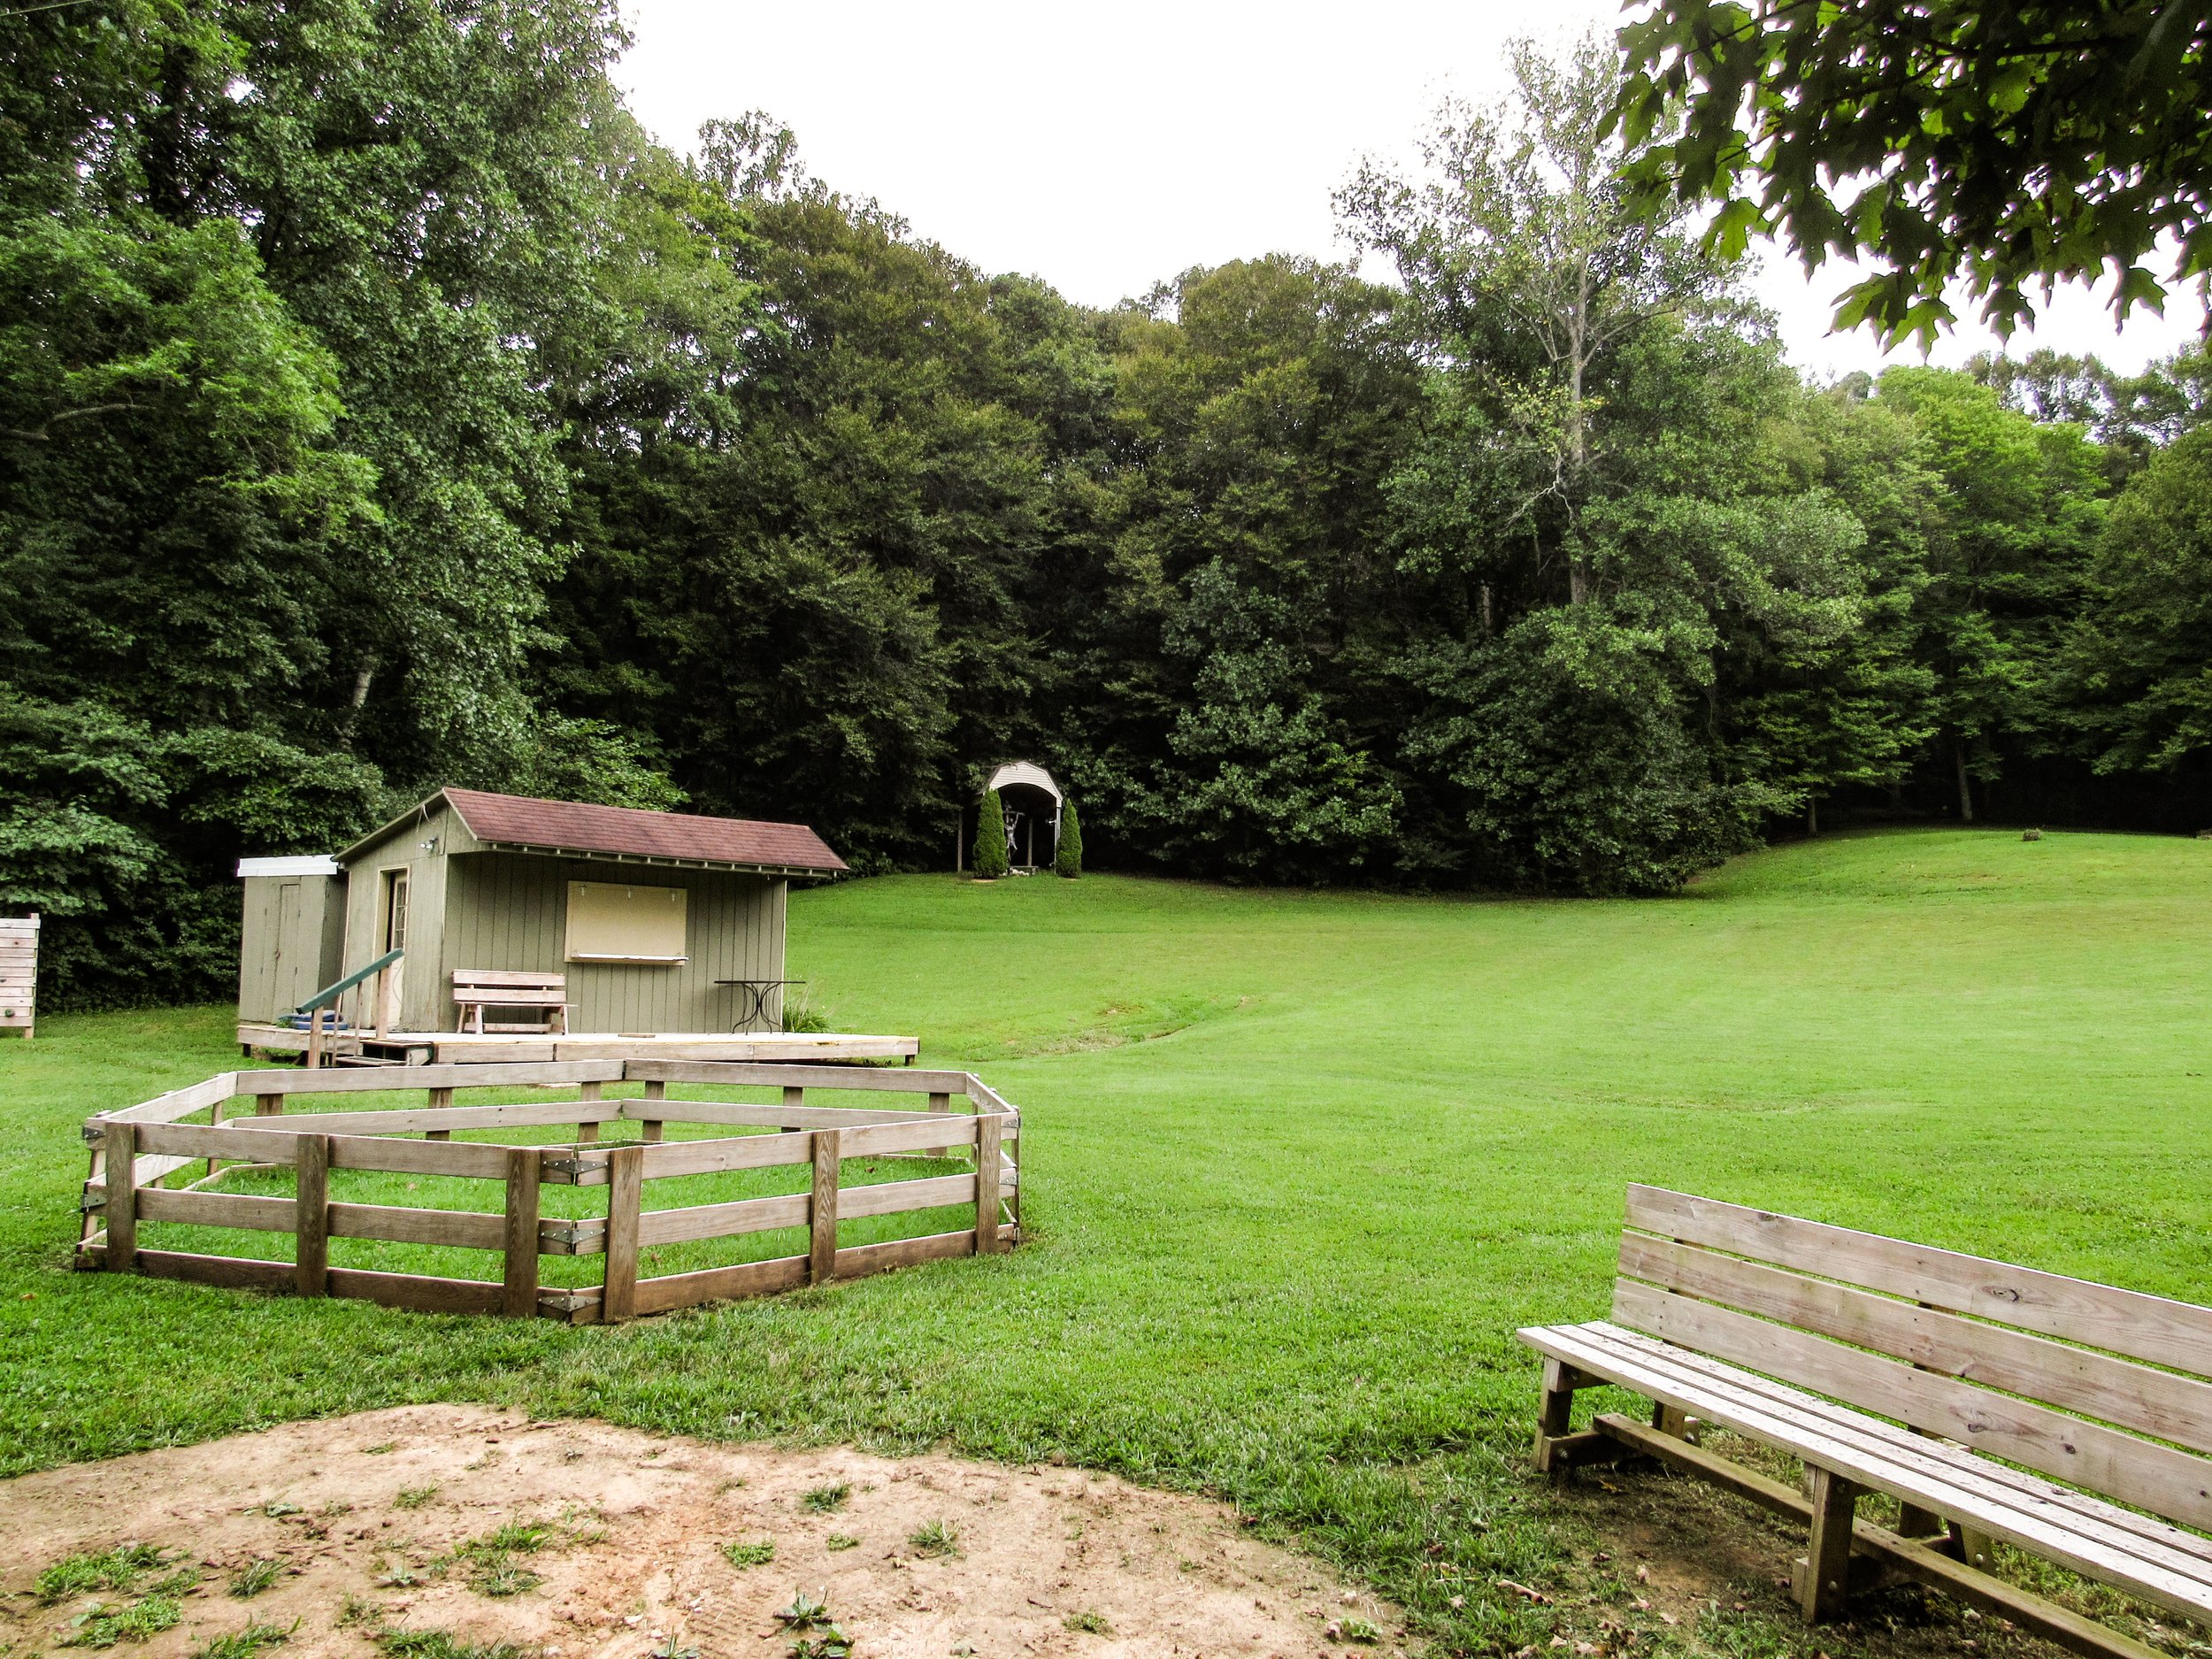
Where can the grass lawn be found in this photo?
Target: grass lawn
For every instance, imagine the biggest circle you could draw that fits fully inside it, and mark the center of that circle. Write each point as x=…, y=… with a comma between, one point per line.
x=1296, y=1164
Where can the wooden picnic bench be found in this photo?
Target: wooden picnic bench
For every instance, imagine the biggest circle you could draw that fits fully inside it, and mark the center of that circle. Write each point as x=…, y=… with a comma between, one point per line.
x=1967, y=1389
x=476, y=990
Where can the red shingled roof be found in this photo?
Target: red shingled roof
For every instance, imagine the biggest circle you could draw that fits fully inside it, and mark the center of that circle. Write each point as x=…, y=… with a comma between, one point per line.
x=512, y=821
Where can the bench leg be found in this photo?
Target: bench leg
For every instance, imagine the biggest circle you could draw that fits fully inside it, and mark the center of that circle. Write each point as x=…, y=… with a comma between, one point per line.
x=1915, y=1522
x=1675, y=1421
x=1977, y=1550
x=1555, y=1415
x=1824, y=1578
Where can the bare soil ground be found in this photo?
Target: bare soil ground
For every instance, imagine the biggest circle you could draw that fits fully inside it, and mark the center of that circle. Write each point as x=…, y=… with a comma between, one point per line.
x=392, y=1520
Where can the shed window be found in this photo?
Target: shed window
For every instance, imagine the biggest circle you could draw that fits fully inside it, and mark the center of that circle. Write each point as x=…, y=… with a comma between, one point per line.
x=612, y=922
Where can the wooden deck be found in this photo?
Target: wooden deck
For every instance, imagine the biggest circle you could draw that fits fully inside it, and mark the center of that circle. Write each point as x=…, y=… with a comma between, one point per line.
x=446, y=1047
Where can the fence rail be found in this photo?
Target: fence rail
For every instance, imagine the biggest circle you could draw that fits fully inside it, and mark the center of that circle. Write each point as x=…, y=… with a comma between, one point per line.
x=133, y=1151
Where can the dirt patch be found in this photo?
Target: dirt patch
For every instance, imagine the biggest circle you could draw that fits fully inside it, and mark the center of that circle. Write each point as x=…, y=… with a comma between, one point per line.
x=581, y=1541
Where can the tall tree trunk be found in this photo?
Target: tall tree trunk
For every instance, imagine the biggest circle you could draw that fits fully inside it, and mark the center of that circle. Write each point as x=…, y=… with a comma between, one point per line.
x=1812, y=815
x=1579, y=354
x=362, y=680
x=1966, y=792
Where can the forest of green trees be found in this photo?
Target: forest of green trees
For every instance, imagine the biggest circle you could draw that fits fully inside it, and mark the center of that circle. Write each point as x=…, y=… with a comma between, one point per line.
x=382, y=407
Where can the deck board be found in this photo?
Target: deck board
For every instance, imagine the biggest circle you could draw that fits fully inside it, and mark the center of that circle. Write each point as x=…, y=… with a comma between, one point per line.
x=441, y=1047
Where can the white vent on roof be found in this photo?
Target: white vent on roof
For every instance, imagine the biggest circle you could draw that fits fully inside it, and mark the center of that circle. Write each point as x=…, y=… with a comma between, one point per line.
x=305, y=864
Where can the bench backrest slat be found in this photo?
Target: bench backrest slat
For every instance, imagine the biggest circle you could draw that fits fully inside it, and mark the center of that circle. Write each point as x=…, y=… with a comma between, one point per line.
x=2178, y=1335
x=490, y=977
x=2174, y=1484
x=2164, y=1403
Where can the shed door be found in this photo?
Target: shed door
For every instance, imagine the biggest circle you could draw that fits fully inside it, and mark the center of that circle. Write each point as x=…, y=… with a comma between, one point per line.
x=288, y=995
x=387, y=1002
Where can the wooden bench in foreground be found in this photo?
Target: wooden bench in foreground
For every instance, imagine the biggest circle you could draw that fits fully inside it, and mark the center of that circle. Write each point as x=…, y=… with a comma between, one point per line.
x=1963, y=1384
x=476, y=990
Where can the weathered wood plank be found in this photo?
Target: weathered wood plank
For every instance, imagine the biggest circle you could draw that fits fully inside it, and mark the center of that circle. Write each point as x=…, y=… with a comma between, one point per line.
x=717, y=1221
x=417, y=1292
x=737, y=1152
x=764, y=1116
x=716, y=1049
x=310, y=1215
x=891, y=1198
x=1966, y=1474
x=618, y=1298
x=2175, y=1483
x=987, y=1171
x=233, y=1272
x=396, y=1224
x=1963, y=1470
x=387, y=1224
x=721, y=1284
x=234, y=1140
x=933, y=1130
x=858, y=1260
x=2159, y=1402
x=2060, y=1533
x=176, y=1104
x=1826, y=1576
x=464, y=1074
x=464, y=1159
x=189, y=1142
x=246, y=1212
x=415, y=1120
x=782, y=1074
x=518, y=1240
x=2178, y=1335
x=822, y=1213
x=121, y=1198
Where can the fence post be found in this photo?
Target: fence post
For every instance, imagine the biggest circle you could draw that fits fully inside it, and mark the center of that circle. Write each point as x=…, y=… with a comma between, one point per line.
x=311, y=1218
x=518, y=1299
x=587, y=1132
x=650, y=1127
x=120, y=1176
x=986, y=1160
x=822, y=1254
x=625, y=1191
x=439, y=1100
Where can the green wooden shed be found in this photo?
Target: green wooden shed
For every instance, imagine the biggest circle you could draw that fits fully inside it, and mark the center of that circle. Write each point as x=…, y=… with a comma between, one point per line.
x=656, y=921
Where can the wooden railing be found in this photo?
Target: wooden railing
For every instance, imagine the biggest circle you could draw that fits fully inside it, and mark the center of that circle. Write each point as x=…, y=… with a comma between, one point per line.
x=321, y=1009
x=135, y=1149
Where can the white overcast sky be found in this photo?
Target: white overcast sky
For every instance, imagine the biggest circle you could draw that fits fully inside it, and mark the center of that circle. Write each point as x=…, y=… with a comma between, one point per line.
x=1105, y=148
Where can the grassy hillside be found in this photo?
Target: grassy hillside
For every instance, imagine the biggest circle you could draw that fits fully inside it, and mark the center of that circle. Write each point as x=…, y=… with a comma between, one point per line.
x=1297, y=1164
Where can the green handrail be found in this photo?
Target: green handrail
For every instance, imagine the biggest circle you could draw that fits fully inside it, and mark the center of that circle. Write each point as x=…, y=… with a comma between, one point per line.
x=330, y=993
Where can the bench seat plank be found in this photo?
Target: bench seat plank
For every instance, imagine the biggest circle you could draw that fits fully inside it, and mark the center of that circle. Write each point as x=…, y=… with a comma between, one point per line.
x=2000, y=1482
x=2097, y=1539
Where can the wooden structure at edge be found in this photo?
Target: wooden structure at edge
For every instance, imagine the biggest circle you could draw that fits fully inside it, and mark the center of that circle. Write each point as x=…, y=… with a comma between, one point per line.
x=18, y=975
x=155, y=1144
x=1970, y=1390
